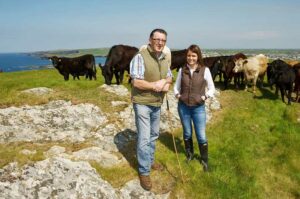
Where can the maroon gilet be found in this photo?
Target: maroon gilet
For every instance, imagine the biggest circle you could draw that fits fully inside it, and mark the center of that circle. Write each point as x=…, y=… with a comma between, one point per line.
x=192, y=87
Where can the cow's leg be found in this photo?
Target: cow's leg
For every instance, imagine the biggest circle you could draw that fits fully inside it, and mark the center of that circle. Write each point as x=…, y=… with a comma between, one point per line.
x=117, y=77
x=240, y=79
x=289, y=96
x=290, y=93
x=282, y=92
x=236, y=80
x=254, y=83
x=128, y=78
x=262, y=81
x=297, y=94
x=246, y=85
x=121, y=76
x=66, y=77
x=246, y=81
x=90, y=74
x=254, y=88
x=225, y=81
x=220, y=76
x=276, y=90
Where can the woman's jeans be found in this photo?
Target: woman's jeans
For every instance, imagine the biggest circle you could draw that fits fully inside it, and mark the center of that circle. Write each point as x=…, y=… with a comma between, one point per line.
x=147, y=120
x=195, y=114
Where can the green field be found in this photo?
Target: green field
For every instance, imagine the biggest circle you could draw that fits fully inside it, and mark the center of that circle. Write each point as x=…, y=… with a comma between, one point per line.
x=254, y=149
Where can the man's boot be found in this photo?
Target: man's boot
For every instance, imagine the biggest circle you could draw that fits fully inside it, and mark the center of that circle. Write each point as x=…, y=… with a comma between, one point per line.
x=189, y=149
x=145, y=182
x=204, y=155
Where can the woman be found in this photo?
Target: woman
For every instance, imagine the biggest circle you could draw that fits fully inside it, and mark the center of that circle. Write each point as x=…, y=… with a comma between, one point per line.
x=190, y=88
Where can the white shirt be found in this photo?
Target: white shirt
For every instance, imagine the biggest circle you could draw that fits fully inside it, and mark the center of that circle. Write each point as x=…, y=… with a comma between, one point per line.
x=207, y=76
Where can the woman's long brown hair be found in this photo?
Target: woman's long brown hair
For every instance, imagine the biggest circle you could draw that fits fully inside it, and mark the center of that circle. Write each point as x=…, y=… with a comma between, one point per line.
x=196, y=49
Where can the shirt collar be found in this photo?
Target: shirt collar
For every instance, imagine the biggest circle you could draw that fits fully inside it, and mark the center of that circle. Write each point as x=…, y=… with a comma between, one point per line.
x=160, y=57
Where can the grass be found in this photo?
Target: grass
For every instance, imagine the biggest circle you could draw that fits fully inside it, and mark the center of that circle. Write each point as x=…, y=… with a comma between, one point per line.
x=253, y=142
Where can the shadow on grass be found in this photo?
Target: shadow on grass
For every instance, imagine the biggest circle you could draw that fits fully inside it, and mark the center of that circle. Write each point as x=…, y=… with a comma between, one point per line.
x=167, y=140
x=126, y=144
x=266, y=94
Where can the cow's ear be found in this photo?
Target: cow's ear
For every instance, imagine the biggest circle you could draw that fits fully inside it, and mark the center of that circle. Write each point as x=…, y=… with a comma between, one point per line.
x=245, y=61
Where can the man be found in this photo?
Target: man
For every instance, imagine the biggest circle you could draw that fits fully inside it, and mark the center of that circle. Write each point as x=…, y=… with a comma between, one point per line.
x=152, y=77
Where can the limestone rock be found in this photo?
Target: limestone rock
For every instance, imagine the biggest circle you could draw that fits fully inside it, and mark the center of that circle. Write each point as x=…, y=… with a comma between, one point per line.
x=38, y=91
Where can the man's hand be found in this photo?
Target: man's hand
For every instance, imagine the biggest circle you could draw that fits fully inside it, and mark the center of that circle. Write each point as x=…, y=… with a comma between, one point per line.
x=166, y=87
x=159, y=85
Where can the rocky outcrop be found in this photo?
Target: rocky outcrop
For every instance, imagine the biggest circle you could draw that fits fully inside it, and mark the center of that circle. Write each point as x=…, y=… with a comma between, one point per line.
x=62, y=178
x=65, y=174
x=57, y=120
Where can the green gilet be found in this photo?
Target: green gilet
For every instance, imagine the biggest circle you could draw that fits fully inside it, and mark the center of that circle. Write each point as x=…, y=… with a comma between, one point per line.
x=154, y=70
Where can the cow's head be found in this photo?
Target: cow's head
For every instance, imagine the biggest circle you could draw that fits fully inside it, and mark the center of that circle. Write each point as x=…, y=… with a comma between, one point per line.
x=239, y=65
x=106, y=73
x=55, y=61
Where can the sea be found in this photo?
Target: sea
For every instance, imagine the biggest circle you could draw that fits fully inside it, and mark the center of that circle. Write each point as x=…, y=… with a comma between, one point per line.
x=10, y=62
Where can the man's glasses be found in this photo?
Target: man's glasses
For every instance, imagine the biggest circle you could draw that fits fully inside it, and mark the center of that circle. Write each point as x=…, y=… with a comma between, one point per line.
x=159, y=40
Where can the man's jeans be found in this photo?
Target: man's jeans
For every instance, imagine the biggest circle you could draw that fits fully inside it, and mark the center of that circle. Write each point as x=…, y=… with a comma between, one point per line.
x=196, y=114
x=147, y=120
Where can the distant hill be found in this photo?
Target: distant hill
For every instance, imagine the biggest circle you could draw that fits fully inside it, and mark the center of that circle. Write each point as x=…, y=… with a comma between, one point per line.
x=97, y=52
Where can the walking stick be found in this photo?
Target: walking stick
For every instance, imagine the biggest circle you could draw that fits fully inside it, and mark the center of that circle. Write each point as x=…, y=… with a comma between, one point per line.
x=169, y=117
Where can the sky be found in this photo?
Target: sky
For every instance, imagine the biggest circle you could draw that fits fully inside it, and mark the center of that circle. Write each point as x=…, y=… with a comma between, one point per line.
x=35, y=25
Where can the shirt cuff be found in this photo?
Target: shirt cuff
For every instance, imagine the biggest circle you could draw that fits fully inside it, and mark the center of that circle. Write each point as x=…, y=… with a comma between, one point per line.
x=137, y=76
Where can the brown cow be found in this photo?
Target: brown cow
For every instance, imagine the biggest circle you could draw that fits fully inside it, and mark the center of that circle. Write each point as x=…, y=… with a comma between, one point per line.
x=117, y=61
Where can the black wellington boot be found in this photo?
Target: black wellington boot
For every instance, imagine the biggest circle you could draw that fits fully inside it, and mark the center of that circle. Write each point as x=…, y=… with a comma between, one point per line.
x=204, y=156
x=189, y=149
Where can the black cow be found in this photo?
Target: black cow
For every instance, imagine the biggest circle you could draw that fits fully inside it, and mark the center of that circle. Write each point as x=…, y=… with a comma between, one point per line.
x=178, y=59
x=297, y=82
x=117, y=61
x=226, y=68
x=283, y=76
x=77, y=66
x=214, y=65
